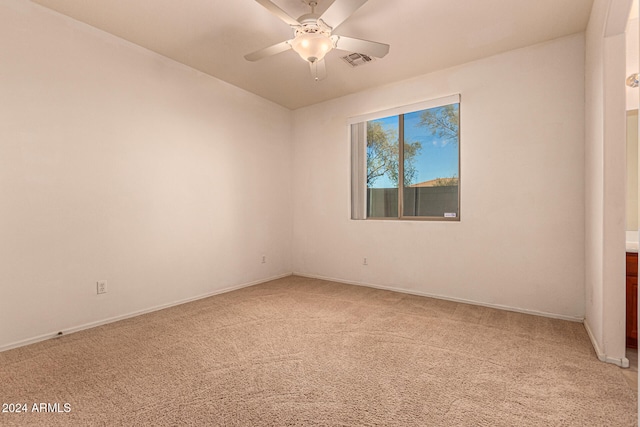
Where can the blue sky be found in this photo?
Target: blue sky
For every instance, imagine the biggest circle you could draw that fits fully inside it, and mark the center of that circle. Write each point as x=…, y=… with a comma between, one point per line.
x=436, y=159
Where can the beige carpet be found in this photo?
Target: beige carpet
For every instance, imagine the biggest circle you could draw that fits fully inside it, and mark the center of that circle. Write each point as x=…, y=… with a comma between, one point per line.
x=307, y=352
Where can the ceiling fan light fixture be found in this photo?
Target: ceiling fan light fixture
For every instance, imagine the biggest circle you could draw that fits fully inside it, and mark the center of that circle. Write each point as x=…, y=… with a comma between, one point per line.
x=312, y=47
x=312, y=38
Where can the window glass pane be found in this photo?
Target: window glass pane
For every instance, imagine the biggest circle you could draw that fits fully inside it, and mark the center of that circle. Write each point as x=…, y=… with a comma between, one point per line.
x=411, y=159
x=431, y=162
x=382, y=167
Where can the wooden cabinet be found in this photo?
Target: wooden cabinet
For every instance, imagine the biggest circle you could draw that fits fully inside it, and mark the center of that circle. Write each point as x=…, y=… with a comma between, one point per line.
x=632, y=300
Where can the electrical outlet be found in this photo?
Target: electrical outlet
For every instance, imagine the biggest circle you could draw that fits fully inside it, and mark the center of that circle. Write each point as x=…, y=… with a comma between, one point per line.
x=102, y=287
x=264, y=259
x=364, y=262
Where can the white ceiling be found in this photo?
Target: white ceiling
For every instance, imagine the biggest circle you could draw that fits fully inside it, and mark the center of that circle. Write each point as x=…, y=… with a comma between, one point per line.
x=425, y=35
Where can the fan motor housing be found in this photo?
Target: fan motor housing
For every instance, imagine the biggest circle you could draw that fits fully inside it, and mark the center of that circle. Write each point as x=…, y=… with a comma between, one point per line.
x=308, y=18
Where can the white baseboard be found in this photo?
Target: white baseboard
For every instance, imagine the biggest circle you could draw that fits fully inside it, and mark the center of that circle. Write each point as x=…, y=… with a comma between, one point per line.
x=89, y=325
x=447, y=298
x=622, y=362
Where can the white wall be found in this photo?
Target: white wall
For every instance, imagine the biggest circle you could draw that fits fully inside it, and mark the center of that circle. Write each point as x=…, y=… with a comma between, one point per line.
x=632, y=176
x=605, y=176
x=633, y=64
x=520, y=241
x=119, y=164
x=594, y=107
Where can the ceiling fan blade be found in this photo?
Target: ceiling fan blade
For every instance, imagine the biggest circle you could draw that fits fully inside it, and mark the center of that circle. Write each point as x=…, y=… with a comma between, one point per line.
x=268, y=51
x=367, y=47
x=271, y=7
x=339, y=11
x=318, y=70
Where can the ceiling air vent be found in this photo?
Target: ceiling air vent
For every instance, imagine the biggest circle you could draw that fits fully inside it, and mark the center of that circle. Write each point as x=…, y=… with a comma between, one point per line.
x=357, y=59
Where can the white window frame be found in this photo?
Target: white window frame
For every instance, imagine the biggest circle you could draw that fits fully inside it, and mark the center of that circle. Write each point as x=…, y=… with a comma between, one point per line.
x=358, y=136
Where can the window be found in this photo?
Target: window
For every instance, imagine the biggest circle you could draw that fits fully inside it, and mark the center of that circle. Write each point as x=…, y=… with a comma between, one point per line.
x=406, y=162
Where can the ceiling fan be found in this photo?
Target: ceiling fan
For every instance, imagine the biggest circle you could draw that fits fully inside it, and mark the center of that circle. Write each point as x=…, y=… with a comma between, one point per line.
x=313, y=37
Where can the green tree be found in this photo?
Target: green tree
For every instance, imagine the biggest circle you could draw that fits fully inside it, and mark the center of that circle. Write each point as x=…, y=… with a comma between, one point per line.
x=411, y=150
x=382, y=155
x=382, y=151
x=443, y=122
